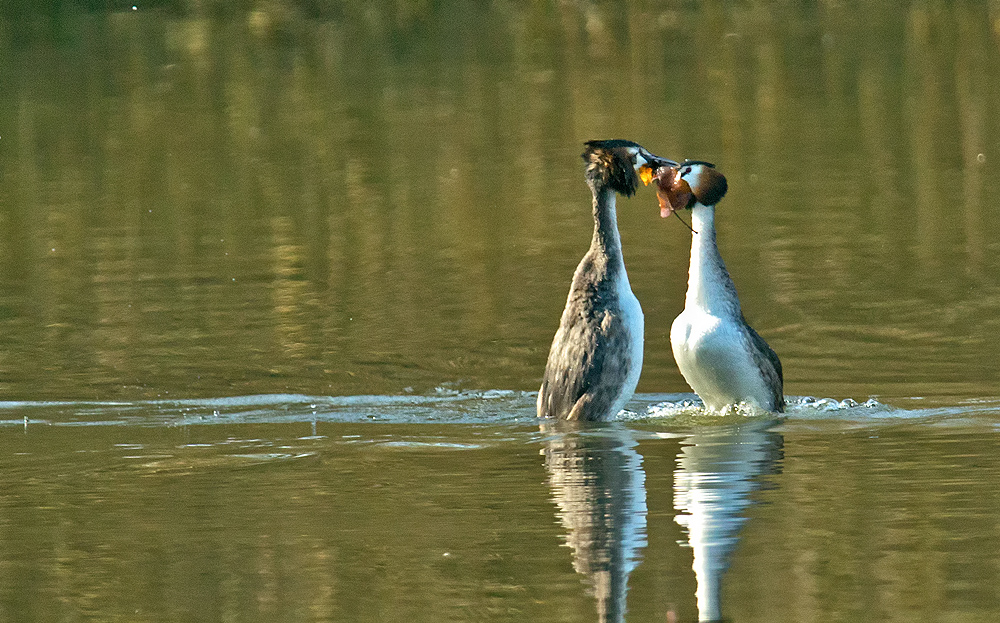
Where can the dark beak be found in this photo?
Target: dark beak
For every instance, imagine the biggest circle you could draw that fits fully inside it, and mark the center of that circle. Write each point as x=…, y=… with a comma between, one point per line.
x=658, y=162
x=648, y=171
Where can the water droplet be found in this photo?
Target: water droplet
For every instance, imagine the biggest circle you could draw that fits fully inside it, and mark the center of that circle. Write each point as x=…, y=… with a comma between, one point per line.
x=827, y=404
x=981, y=158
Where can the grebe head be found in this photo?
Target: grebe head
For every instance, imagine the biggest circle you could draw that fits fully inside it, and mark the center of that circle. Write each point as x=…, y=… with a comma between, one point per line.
x=620, y=165
x=681, y=186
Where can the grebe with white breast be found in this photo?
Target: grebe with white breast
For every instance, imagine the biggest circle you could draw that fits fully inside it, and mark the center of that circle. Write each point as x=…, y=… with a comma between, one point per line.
x=720, y=356
x=596, y=355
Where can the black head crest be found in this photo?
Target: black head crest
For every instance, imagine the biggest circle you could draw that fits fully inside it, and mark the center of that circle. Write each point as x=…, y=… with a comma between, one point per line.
x=611, y=164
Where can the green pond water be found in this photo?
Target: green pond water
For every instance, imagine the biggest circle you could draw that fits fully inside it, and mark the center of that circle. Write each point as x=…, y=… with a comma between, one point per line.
x=278, y=281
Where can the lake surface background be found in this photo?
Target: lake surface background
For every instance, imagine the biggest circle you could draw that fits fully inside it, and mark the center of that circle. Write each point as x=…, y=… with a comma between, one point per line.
x=370, y=214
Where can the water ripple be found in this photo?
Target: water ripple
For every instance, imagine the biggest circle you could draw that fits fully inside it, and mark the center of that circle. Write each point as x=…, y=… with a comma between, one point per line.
x=489, y=407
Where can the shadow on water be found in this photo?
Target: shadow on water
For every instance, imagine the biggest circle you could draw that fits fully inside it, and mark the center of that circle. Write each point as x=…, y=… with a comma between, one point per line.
x=598, y=483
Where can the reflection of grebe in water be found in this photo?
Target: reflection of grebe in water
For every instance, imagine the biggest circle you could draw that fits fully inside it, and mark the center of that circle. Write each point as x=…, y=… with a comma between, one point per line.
x=717, y=470
x=598, y=484
x=721, y=357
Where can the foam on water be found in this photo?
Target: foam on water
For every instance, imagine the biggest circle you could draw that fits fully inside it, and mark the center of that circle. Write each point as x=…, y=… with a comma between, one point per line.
x=447, y=406
x=442, y=407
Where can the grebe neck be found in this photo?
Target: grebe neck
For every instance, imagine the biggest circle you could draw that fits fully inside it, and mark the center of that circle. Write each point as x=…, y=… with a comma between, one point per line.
x=606, y=239
x=709, y=284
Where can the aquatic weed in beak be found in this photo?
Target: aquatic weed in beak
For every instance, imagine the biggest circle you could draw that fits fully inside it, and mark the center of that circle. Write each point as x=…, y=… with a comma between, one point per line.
x=672, y=191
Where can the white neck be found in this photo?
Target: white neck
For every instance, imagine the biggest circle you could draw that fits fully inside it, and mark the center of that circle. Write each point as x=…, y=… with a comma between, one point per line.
x=709, y=285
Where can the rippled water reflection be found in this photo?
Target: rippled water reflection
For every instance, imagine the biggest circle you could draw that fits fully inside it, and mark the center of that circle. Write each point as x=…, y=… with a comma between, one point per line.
x=277, y=280
x=201, y=202
x=460, y=505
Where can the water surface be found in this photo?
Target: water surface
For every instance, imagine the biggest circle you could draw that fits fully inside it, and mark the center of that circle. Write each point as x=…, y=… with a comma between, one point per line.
x=278, y=280
x=461, y=506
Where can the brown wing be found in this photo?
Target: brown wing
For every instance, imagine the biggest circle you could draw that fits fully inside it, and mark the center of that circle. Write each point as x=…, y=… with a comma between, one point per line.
x=582, y=376
x=770, y=366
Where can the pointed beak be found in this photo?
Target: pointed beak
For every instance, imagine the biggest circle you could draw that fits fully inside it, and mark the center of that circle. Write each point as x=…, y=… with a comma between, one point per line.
x=661, y=162
x=647, y=170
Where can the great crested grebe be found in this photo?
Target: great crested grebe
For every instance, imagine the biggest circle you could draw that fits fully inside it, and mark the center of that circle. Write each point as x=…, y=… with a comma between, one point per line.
x=721, y=357
x=596, y=355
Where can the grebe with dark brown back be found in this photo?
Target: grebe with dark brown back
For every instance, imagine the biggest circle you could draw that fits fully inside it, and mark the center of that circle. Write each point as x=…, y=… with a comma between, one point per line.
x=596, y=355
